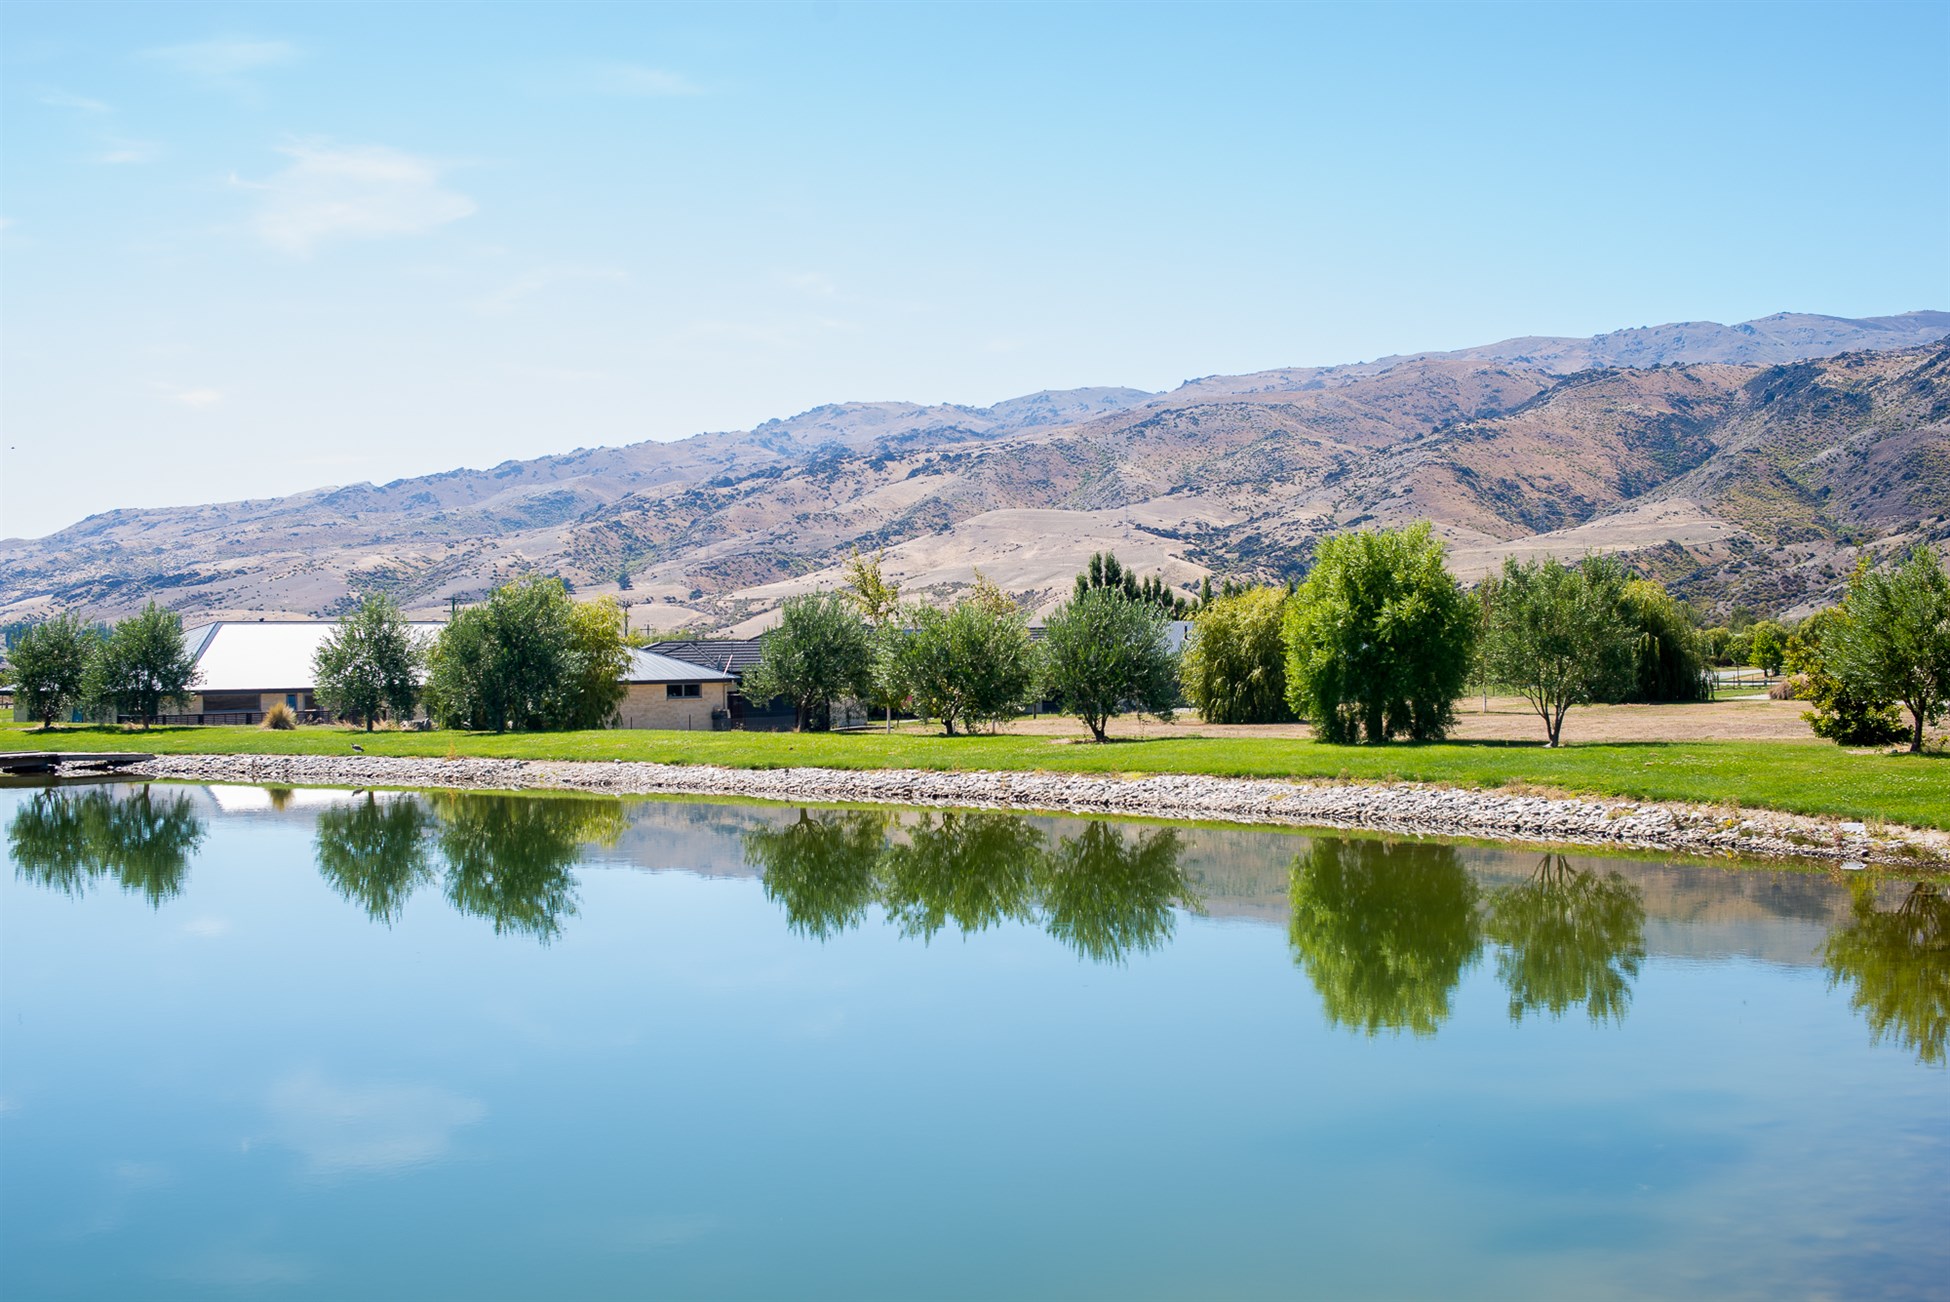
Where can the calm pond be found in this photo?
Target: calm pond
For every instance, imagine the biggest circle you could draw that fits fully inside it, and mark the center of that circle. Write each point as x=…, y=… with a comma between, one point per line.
x=321, y=1044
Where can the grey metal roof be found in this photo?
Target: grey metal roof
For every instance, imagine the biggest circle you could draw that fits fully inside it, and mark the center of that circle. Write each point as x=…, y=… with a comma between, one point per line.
x=267, y=656
x=649, y=667
x=731, y=654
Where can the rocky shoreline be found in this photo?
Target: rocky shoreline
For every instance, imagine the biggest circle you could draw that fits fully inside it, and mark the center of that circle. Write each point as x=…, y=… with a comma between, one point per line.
x=1404, y=808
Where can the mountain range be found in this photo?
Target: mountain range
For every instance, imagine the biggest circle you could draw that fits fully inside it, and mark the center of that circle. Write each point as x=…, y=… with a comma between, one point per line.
x=1747, y=465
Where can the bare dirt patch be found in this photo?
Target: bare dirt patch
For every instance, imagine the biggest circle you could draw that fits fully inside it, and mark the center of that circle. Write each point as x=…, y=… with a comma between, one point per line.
x=1510, y=719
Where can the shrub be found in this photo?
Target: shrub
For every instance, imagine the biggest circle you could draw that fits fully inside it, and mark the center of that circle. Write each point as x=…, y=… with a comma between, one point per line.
x=1378, y=638
x=1234, y=666
x=1891, y=643
x=279, y=718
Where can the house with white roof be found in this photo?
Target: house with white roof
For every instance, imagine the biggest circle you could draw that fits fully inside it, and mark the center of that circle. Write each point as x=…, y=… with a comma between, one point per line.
x=244, y=667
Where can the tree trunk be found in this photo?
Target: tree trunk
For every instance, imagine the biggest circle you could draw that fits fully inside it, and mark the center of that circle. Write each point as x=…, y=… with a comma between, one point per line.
x=1916, y=731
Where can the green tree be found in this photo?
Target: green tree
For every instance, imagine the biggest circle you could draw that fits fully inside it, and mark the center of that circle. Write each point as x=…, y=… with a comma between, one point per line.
x=1669, y=653
x=375, y=853
x=1234, y=665
x=142, y=666
x=872, y=593
x=1897, y=964
x=967, y=666
x=1103, y=653
x=877, y=598
x=1840, y=713
x=1379, y=638
x=1385, y=932
x=370, y=664
x=50, y=667
x=1108, y=896
x=1767, y=646
x=65, y=839
x=1894, y=644
x=819, y=653
x=1555, y=633
x=1105, y=571
x=591, y=686
x=823, y=868
x=528, y=658
x=463, y=688
x=1569, y=937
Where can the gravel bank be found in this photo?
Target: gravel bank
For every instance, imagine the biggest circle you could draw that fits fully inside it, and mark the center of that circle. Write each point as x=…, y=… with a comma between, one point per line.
x=1405, y=808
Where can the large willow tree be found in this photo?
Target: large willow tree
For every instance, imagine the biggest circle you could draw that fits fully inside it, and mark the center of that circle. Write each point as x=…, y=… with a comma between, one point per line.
x=1379, y=638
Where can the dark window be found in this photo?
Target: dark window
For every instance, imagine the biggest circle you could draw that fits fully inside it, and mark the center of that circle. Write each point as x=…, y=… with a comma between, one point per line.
x=682, y=689
x=215, y=702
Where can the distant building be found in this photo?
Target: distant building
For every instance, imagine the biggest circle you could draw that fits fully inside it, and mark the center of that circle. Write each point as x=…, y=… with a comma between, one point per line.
x=244, y=667
x=734, y=656
x=665, y=692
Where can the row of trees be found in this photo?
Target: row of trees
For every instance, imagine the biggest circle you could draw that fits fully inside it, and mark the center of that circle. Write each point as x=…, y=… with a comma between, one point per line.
x=527, y=658
x=1381, y=639
x=1103, y=652
x=136, y=669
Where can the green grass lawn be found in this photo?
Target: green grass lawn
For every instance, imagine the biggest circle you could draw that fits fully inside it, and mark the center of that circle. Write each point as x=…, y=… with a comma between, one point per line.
x=1800, y=777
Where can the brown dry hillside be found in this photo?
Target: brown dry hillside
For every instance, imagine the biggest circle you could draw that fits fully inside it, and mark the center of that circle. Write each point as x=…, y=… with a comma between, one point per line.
x=1735, y=481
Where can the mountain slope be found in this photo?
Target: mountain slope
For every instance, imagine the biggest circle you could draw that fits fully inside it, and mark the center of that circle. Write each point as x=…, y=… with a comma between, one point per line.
x=1736, y=481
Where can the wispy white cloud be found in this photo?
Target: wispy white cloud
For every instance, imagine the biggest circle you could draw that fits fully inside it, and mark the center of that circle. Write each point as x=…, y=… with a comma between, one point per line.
x=635, y=81
x=351, y=1129
x=79, y=103
x=332, y=192
x=504, y=300
x=112, y=148
x=811, y=282
x=117, y=150
x=224, y=57
x=197, y=397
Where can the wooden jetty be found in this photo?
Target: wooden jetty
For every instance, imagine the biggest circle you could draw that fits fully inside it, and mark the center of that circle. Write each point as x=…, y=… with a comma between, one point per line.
x=47, y=761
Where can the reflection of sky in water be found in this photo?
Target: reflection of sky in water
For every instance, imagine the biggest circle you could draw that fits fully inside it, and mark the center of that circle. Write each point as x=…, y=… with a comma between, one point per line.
x=250, y=1088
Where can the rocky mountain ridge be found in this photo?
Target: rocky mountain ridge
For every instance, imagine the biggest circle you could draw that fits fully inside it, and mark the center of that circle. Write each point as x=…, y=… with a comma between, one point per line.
x=1743, y=463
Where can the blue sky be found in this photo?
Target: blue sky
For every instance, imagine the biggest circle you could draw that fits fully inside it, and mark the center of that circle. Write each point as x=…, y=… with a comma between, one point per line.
x=251, y=248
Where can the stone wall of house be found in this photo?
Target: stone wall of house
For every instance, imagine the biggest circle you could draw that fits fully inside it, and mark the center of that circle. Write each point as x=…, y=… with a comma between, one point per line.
x=650, y=705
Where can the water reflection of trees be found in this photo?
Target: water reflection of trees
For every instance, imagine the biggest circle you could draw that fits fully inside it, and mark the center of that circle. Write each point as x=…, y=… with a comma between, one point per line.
x=503, y=858
x=1568, y=937
x=375, y=852
x=975, y=870
x=67, y=839
x=820, y=868
x=508, y=857
x=1105, y=896
x=1101, y=892
x=1384, y=931
x=1897, y=964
